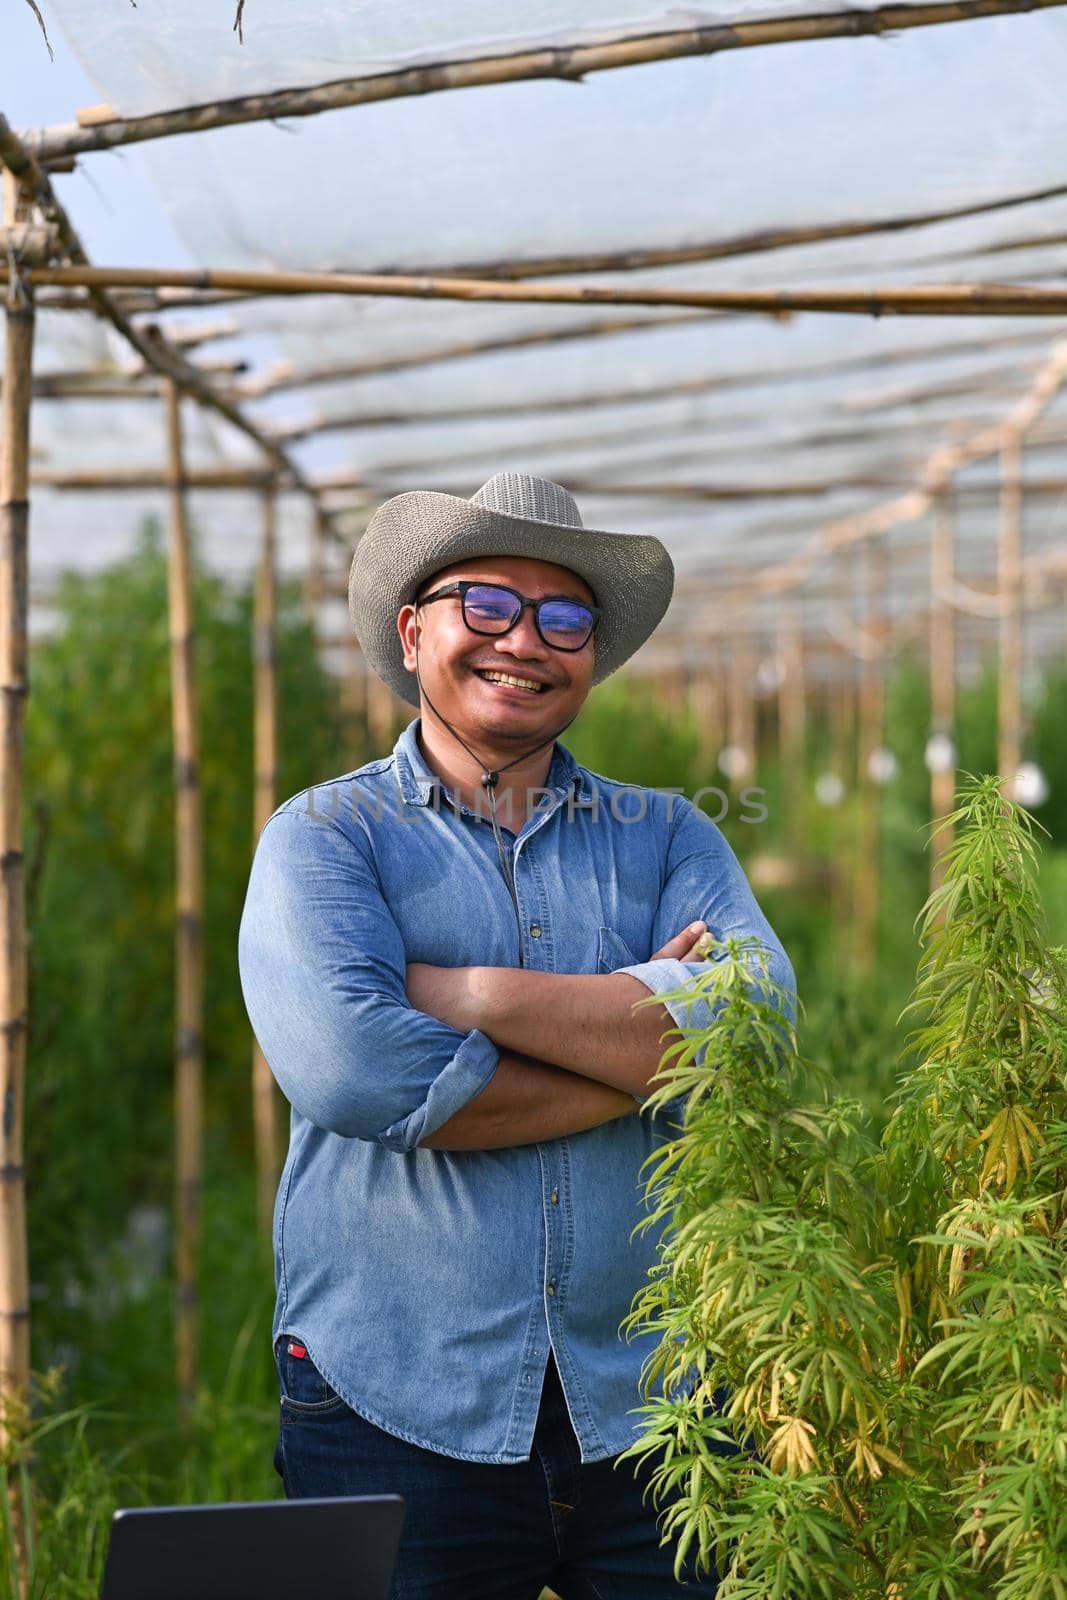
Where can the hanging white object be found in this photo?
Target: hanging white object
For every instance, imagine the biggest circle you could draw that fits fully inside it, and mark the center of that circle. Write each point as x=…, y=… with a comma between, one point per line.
x=769, y=675
x=829, y=789
x=940, y=753
x=882, y=766
x=1031, y=786
x=733, y=761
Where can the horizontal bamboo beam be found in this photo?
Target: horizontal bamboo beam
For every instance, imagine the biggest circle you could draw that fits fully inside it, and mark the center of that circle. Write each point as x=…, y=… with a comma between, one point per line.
x=940, y=470
x=135, y=479
x=286, y=376
x=148, y=342
x=757, y=242
x=569, y=63
x=931, y=300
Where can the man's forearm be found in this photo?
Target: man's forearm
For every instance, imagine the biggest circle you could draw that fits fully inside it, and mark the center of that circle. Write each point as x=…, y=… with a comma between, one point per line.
x=584, y=1024
x=526, y=1101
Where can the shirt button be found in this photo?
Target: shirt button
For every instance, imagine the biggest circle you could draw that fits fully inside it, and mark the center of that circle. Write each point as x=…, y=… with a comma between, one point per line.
x=551, y=1289
x=555, y=1197
x=535, y=930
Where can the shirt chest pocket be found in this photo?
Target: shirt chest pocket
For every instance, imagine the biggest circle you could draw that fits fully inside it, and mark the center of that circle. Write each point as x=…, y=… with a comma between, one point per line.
x=613, y=952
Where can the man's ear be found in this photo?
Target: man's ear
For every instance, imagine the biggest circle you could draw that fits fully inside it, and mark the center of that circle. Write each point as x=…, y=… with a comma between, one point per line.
x=406, y=623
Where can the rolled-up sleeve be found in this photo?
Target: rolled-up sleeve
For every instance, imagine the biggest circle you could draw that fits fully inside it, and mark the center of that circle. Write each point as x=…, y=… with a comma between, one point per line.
x=323, y=971
x=704, y=879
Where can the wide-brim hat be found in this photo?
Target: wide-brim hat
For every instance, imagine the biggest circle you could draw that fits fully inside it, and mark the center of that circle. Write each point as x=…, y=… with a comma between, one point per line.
x=414, y=535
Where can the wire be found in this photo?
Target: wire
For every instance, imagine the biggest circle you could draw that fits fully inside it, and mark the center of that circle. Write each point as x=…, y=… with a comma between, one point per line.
x=490, y=778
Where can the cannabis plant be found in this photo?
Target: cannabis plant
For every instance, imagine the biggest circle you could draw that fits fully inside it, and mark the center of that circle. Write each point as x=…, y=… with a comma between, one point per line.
x=860, y=1384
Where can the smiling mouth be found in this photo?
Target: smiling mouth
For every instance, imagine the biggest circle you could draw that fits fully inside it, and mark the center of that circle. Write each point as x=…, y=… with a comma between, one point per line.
x=511, y=680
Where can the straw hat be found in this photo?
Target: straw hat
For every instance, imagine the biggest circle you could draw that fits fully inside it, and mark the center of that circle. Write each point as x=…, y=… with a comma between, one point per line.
x=414, y=535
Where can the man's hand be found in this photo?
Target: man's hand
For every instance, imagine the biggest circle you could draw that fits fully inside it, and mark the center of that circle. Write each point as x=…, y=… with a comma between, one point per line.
x=689, y=945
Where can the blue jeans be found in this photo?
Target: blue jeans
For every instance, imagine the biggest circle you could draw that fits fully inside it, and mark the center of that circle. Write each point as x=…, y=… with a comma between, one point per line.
x=478, y=1531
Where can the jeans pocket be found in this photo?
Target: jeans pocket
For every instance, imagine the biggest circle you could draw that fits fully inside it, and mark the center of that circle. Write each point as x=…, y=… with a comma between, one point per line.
x=304, y=1390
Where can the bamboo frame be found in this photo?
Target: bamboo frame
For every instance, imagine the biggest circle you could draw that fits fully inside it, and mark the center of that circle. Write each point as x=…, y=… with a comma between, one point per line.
x=14, y=975
x=941, y=468
x=113, y=480
x=792, y=722
x=762, y=242
x=148, y=342
x=741, y=705
x=942, y=678
x=929, y=300
x=188, y=953
x=871, y=710
x=265, y=740
x=1009, y=586
x=569, y=63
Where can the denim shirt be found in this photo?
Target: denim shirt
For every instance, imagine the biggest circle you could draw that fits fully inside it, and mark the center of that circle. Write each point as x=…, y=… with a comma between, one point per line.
x=427, y=1284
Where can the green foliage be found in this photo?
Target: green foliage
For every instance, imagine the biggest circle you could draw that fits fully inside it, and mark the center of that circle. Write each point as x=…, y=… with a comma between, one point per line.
x=862, y=1362
x=101, y=871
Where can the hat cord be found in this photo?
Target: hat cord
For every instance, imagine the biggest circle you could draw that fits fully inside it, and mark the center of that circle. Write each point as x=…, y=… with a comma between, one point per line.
x=489, y=780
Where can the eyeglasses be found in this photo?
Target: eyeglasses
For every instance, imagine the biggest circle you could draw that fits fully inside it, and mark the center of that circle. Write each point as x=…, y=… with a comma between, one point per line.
x=491, y=608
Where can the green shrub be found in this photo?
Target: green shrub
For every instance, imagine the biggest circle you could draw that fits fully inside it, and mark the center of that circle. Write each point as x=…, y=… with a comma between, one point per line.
x=886, y=1327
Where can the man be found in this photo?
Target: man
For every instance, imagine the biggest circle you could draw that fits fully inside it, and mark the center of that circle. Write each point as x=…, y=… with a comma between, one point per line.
x=440, y=955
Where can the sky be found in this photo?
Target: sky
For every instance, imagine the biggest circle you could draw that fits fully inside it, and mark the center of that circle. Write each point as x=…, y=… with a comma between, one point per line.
x=119, y=218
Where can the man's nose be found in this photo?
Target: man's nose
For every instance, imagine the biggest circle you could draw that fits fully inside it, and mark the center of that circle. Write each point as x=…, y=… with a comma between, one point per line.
x=523, y=638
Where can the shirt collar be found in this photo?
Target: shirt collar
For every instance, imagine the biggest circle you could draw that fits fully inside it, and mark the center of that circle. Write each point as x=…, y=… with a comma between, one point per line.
x=418, y=782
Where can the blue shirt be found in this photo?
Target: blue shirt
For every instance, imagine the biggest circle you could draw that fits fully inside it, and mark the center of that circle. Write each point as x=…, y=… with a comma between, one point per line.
x=426, y=1284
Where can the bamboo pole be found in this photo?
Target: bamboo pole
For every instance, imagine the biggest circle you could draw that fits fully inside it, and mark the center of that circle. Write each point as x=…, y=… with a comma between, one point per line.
x=111, y=480
x=741, y=705
x=566, y=62
x=287, y=377
x=926, y=300
x=314, y=582
x=1009, y=585
x=384, y=710
x=14, y=976
x=871, y=708
x=265, y=724
x=189, y=961
x=942, y=681
x=148, y=341
x=841, y=693
x=356, y=679
x=940, y=469
x=704, y=703
x=761, y=242
x=792, y=724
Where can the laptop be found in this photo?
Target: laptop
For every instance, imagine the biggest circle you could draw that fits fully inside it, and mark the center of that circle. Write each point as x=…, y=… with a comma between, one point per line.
x=337, y=1549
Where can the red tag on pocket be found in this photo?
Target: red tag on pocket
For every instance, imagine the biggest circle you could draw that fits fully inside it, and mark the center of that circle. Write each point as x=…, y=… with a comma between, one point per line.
x=299, y=1351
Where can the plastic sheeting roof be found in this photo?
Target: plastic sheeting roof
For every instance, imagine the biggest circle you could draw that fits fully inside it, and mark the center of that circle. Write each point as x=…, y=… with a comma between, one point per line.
x=843, y=411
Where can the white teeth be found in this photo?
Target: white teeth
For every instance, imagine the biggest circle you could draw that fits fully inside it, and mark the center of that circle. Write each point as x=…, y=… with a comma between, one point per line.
x=518, y=683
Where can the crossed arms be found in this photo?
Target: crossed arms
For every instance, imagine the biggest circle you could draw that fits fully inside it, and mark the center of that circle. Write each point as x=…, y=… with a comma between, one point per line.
x=573, y=1051
x=467, y=1058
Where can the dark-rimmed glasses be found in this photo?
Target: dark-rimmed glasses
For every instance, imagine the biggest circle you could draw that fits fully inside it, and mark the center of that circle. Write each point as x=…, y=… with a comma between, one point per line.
x=492, y=608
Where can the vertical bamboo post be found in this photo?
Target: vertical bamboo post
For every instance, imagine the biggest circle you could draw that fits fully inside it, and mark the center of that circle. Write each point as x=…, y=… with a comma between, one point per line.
x=792, y=723
x=355, y=681
x=942, y=679
x=871, y=708
x=265, y=726
x=189, y=868
x=741, y=705
x=704, y=707
x=384, y=709
x=1009, y=588
x=841, y=693
x=14, y=685
x=313, y=586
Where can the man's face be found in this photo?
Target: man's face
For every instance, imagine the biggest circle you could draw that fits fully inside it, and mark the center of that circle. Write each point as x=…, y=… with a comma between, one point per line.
x=453, y=660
